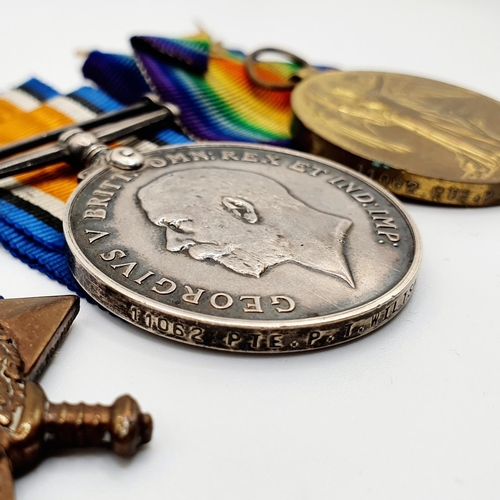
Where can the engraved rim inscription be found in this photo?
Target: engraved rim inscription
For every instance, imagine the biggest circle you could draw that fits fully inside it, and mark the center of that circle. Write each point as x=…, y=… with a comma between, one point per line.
x=359, y=110
x=209, y=327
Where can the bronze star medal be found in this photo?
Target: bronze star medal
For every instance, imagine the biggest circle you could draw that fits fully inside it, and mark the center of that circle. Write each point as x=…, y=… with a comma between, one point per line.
x=30, y=426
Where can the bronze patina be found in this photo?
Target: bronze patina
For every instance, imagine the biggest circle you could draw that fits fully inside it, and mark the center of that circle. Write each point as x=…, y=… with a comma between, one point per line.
x=30, y=426
x=419, y=138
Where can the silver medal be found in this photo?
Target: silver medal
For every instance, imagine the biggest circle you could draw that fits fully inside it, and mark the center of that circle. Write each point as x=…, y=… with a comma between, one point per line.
x=243, y=248
x=236, y=247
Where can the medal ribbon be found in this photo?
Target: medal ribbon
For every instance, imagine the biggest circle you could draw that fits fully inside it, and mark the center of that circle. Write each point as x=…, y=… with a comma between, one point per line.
x=209, y=84
x=32, y=204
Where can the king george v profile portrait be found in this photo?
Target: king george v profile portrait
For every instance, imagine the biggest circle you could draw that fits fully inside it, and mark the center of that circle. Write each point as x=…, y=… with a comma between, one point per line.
x=245, y=221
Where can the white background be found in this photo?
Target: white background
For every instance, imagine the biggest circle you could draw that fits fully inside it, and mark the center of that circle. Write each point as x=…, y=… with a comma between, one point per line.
x=411, y=412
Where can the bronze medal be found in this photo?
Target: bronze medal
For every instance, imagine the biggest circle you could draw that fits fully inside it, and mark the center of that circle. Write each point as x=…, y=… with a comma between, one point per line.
x=419, y=138
x=31, y=427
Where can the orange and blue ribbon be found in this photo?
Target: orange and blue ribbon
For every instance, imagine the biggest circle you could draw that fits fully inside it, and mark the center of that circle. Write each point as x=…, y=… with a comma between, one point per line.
x=209, y=83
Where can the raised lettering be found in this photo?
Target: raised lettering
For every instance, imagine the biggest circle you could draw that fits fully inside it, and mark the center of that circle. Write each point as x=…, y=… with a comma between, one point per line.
x=334, y=180
x=122, y=177
x=171, y=286
x=386, y=222
x=228, y=155
x=350, y=187
x=253, y=306
x=141, y=280
x=98, y=235
x=363, y=197
x=316, y=171
x=198, y=155
x=99, y=213
x=299, y=167
x=276, y=299
x=227, y=300
x=179, y=157
x=108, y=185
x=129, y=267
x=394, y=237
x=98, y=192
x=97, y=202
x=190, y=297
x=251, y=157
x=113, y=255
x=272, y=160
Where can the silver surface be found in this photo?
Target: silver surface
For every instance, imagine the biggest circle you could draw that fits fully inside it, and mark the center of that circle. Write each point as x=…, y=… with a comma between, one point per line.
x=243, y=248
x=148, y=102
x=109, y=132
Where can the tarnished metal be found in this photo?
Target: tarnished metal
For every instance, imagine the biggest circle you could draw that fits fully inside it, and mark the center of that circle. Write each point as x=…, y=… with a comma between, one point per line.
x=30, y=426
x=253, y=60
x=417, y=137
x=62, y=150
x=125, y=158
x=148, y=103
x=242, y=248
x=236, y=247
x=37, y=326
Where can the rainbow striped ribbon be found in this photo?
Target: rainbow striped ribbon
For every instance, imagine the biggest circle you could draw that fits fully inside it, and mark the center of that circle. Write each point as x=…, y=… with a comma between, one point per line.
x=207, y=82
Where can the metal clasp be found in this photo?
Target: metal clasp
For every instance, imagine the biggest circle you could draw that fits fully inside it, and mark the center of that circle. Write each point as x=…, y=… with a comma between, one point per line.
x=77, y=145
x=252, y=61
